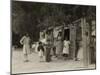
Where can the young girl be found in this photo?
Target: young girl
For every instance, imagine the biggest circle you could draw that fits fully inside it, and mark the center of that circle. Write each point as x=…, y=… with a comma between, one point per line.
x=66, y=48
x=41, y=51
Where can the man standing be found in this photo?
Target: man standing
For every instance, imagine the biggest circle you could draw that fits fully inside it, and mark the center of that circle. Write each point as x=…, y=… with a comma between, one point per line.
x=25, y=41
x=48, y=46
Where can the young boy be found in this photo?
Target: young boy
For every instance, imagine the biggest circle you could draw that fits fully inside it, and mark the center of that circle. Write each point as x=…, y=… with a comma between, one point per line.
x=41, y=51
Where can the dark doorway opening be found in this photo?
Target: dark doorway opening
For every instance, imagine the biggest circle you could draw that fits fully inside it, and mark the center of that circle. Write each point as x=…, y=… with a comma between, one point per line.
x=67, y=34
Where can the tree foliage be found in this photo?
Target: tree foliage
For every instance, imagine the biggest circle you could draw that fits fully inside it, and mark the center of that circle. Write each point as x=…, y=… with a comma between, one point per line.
x=31, y=17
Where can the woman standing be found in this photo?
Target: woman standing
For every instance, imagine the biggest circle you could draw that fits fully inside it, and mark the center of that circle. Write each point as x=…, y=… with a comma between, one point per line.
x=59, y=45
x=25, y=41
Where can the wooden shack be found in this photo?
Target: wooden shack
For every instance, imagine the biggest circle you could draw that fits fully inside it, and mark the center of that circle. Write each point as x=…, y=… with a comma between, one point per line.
x=79, y=30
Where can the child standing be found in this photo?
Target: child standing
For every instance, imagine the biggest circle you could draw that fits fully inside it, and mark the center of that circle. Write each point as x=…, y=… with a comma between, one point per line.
x=41, y=51
x=66, y=48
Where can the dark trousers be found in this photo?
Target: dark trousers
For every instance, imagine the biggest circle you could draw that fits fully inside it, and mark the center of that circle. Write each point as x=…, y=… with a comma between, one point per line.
x=77, y=48
x=54, y=51
x=47, y=54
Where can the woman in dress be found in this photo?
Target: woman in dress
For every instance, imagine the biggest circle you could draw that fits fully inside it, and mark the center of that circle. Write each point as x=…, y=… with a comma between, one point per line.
x=66, y=48
x=59, y=45
x=25, y=41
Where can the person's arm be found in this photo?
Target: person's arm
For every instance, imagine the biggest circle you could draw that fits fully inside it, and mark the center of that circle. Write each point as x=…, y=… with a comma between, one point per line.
x=22, y=39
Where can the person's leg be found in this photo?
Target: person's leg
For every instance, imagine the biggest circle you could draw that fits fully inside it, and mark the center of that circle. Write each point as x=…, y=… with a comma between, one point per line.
x=65, y=56
x=25, y=57
x=46, y=54
x=59, y=56
x=60, y=50
x=48, y=58
x=76, y=51
x=49, y=55
x=42, y=54
x=54, y=51
x=40, y=58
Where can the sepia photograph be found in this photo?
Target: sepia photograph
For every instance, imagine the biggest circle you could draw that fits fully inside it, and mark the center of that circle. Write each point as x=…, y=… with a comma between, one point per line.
x=52, y=37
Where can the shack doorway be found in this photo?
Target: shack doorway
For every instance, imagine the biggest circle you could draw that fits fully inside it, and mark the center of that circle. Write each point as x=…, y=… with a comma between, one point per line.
x=67, y=34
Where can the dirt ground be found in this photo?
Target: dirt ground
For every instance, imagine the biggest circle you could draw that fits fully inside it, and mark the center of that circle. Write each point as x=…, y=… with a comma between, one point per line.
x=19, y=66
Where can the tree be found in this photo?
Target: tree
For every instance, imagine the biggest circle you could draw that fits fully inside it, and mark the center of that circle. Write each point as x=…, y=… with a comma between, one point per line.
x=31, y=17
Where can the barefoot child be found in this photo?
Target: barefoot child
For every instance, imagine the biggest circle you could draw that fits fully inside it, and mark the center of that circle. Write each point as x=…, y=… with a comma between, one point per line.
x=41, y=51
x=66, y=48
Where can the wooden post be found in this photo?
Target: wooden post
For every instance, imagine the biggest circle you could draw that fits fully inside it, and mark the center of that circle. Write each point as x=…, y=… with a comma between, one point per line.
x=85, y=41
x=72, y=40
x=63, y=31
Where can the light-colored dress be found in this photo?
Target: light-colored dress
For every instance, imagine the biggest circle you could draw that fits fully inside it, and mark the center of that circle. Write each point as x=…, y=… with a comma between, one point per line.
x=66, y=47
x=40, y=53
x=25, y=41
x=59, y=46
